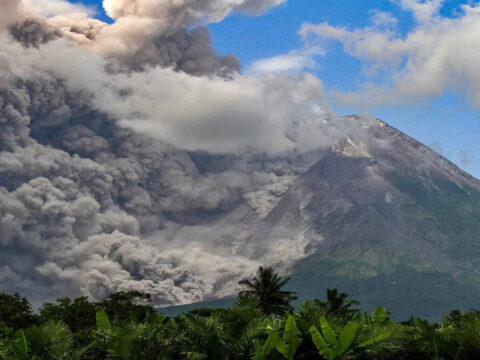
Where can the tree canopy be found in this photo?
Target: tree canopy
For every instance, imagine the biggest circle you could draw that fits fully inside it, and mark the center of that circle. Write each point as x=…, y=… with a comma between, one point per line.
x=267, y=288
x=125, y=327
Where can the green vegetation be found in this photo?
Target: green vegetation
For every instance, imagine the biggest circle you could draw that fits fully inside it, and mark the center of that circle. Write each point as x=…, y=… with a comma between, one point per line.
x=405, y=290
x=266, y=289
x=261, y=325
x=450, y=208
x=439, y=258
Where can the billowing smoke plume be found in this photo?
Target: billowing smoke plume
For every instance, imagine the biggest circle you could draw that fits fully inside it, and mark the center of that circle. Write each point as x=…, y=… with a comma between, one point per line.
x=126, y=148
x=181, y=13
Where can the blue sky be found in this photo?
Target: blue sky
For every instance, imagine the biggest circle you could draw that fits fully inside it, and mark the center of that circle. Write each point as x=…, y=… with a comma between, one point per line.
x=447, y=121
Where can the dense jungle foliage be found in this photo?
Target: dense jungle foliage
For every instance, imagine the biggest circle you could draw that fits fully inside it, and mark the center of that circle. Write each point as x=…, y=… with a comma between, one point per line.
x=261, y=325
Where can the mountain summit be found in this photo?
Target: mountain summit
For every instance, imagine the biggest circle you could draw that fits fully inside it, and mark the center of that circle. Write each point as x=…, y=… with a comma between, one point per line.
x=389, y=221
x=379, y=215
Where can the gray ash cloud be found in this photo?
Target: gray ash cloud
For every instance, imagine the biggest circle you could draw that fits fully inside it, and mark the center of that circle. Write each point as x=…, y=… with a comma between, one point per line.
x=106, y=151
x=33, y=31
x=77, y=194
x=187, y=51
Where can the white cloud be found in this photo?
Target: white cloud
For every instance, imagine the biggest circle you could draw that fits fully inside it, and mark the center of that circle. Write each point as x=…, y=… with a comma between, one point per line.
x=437, y=54
x=422, y=10
x=178, y=13
x=383, y=19
x=294, y=61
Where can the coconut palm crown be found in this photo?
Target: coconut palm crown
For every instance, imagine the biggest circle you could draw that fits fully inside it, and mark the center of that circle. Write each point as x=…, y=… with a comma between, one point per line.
x=266, y=289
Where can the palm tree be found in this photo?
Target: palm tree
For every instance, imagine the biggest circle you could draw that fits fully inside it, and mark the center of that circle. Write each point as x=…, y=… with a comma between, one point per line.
x=204, y=338
x=132, y=340
x=50, y=341
x=266, y=289
x=337, y=303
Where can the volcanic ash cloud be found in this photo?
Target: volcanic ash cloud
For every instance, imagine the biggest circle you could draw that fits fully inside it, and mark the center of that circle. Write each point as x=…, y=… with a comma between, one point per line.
x=116, y=139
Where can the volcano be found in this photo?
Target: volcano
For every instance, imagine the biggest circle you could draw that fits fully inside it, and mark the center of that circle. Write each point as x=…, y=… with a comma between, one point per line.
x=387, y=220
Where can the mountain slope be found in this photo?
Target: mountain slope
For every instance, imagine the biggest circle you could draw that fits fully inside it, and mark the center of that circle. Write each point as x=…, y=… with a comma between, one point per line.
x=400, y=225
x=381, y=217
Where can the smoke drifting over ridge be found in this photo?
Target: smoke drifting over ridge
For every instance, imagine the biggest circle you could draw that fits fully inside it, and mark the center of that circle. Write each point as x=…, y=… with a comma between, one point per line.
x=107, y=135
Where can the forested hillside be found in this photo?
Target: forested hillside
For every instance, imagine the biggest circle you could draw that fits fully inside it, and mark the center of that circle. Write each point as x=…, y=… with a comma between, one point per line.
x=260, y=325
